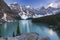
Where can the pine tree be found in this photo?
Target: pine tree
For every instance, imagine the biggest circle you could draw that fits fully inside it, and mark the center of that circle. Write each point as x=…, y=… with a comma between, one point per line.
x=18, y=30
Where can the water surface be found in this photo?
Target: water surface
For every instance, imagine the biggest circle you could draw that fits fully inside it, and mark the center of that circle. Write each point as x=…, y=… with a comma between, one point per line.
x=26, y=26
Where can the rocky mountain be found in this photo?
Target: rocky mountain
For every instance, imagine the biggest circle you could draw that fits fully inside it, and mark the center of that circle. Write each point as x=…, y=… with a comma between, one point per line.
x=4, y=8
x=49, y=10
x=1, y=13
x=42, y=11
x=20, y=10
x=16, y=10
x=15, y=7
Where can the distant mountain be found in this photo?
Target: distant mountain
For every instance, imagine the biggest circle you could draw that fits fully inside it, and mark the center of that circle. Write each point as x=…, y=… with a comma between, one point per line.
x=42, y=10
x=49, y=10
x=30, y=12
x=20, y=10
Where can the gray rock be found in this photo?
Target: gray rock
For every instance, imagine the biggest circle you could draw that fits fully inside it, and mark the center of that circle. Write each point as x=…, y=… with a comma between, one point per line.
x=27, y=36
x=31, y=36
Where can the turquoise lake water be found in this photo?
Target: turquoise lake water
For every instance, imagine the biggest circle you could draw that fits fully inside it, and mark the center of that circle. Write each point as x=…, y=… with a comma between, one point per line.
x=26, y=26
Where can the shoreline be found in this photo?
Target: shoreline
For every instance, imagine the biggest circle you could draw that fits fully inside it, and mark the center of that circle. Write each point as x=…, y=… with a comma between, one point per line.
x=26, y=36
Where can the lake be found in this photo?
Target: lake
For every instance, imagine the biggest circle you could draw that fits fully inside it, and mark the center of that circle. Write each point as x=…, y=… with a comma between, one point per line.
x=7, y=29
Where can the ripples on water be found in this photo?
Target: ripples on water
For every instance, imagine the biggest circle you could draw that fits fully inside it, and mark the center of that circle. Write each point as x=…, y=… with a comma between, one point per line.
x=26, y=26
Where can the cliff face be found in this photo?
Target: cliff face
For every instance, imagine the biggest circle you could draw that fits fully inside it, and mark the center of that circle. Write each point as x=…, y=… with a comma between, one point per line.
x=6, y=9
x=1, y=14
x=4, y=6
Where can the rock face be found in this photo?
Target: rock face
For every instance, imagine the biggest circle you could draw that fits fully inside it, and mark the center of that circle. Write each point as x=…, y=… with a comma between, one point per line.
x=6, y=9
x=1, y=14
x=21, y=10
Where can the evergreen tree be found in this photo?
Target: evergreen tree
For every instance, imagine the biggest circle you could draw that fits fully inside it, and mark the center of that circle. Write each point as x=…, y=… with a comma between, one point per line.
x=18, y=30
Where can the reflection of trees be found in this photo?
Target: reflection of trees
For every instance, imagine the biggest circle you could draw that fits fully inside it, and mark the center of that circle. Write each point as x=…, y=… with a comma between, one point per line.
x=52, y=20
x=0, y=32
x=18, y=30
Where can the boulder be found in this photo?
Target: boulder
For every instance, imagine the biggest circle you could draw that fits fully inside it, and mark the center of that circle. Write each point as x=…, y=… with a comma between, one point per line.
x=31, y=36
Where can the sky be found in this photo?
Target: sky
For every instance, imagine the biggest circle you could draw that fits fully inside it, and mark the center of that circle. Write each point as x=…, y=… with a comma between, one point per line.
x=32, y=3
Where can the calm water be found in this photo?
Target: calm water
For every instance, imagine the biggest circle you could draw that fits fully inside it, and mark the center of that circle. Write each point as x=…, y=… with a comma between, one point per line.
x=26, y=26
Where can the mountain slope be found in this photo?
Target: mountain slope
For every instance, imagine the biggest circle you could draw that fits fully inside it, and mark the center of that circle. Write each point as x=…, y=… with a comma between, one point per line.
x=6, y=9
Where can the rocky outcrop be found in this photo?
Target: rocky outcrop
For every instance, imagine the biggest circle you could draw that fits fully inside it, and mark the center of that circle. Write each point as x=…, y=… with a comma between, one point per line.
x=26, y=36
x=31, y=36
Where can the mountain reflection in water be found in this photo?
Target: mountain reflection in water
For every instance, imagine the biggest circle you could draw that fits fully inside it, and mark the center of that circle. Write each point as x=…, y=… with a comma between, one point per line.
x=26, y=26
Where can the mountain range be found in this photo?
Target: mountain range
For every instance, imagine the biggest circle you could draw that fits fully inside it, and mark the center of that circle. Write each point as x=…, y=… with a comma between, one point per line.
x=40, y=11
x=15, y=10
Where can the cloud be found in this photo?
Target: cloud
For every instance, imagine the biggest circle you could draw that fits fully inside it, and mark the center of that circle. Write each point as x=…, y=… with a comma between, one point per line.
x=53, y=5
x=15, y=3
x=57, y=1
x=28, y=6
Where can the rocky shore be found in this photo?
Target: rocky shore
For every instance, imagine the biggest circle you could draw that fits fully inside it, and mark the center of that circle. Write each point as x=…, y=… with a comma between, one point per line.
x=26, y=36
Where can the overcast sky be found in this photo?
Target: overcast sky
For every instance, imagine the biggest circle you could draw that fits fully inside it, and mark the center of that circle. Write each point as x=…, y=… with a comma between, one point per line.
x=32, y=3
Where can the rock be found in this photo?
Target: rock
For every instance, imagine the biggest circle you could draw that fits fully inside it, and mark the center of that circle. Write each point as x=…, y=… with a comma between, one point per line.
x=31, y=36
x=26, y=36
x=43, y=38
x=2, y=38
